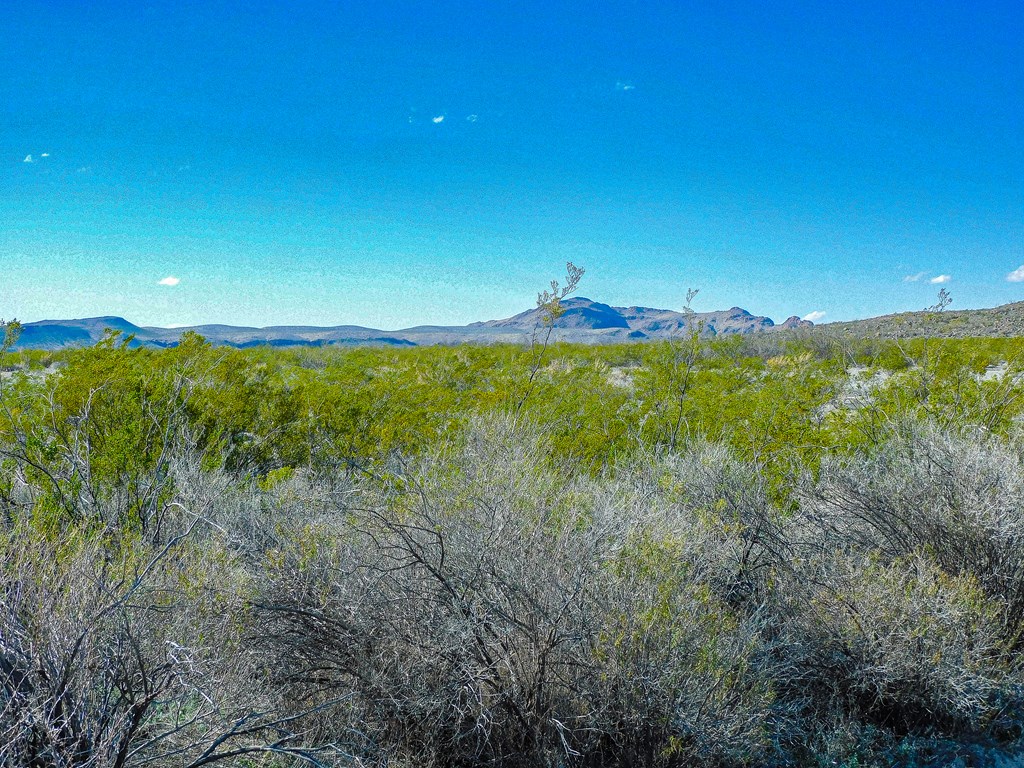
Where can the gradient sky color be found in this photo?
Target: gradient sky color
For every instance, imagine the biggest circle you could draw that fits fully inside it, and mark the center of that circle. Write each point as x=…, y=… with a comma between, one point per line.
x=390, y=164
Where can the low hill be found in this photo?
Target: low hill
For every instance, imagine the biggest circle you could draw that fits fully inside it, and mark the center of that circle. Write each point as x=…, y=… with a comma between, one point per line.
x=54, y=334
x=1002, y=321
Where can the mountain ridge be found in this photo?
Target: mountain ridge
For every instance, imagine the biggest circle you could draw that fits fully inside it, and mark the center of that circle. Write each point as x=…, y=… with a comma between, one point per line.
x=584, y=320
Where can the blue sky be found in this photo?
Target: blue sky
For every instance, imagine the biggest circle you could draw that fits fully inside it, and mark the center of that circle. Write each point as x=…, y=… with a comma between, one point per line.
x=390, y=164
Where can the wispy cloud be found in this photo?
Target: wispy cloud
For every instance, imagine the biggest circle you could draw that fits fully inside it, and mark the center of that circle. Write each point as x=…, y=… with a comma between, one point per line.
x=1017, y=276
x=170, y=280
x=471, y=118
x=815, y=316
x=940, y=279
x=914, y=278
x=624, y=86
x=438, y=120
x=45, y=154
x=28, y=159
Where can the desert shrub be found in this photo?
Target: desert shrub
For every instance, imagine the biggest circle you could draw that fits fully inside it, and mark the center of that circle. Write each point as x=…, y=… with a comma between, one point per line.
x=894, y=607
x=117, y=653
x=944, y=382
x=958, y=500
x=483, y=607
x=901, y=646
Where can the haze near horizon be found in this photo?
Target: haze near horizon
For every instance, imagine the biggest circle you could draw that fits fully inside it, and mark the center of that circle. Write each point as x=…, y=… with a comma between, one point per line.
x=390, y=166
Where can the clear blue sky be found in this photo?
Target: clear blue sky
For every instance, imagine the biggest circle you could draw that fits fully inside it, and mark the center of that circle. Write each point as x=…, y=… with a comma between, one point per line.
x=291, y=164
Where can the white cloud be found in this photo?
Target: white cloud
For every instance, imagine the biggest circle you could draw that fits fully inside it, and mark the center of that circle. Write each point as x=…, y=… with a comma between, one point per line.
x=28, y=159
x=914, y=278
x=439, y=119
x=940, y=279
x=45, y=154
x=815, y=316
x=624, y=86
x=1017, y=276
x=471, y=118
x=170, y=280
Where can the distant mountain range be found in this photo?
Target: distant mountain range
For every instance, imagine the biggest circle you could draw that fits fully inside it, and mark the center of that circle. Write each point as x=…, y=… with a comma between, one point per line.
x=584, y=320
